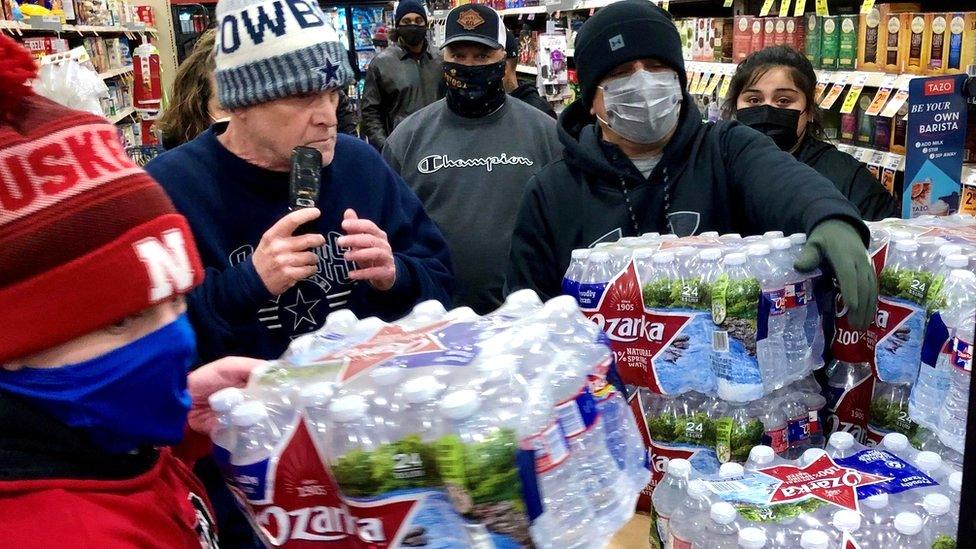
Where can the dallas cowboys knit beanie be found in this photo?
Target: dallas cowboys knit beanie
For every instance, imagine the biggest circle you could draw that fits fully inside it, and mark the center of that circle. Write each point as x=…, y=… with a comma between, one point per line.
x=270, y=49
x=622, y=32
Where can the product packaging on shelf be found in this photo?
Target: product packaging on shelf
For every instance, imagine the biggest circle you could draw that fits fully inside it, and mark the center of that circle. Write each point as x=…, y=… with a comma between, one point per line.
x=443, y=429
x=962, y=42
x=814, y=39
x=742, y=37
x=934, y=56
x=830, y=42
x=847, y=42
x=869, y=44
x=916, y=43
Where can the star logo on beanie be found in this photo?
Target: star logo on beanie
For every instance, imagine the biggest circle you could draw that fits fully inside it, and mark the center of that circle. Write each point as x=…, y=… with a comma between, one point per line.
x=330, y=71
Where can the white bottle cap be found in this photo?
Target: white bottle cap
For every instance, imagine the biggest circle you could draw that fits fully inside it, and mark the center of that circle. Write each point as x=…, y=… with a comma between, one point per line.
x=812, y=454
x=368, y=326
x=679, y=467
x=645, y=252
x=842, y=440
x=949, y=249
x=877, y=501
x=797, y=239
x=752, y=538
x=650, y=235
x=730, y=469
x=461, y=404
x=955, y=481
x=928, y=461
x=599, y=257
x=697, y=488
x=936, y=504
x=847, y=520
x=341, y=319
x=385, y=376
x=730, y=236
x=628, y=240
x=956, y=261
x=421, y=389
x=248, y=413
x=895, y=442
x=773, y=234
x=669, y=237
x=461, y=314
x=900, y=235
x=430, y=308
x=960, y=275
x=735, y=259
x=580, y=253
x=711, y=254
x=527, y=298
x=663, y=257
x=316, y=394
x=906, y=245
x=814, y=539
x=561, y=306
x=225, y=399
x=348, y=408
x=781, y=244
x=758, y=249
x=722, y=512
x=761, y=455
x=908, y=524
x=709, y=234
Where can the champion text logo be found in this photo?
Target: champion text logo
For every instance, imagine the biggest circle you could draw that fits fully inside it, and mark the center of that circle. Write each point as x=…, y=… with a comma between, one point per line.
x=436, y=162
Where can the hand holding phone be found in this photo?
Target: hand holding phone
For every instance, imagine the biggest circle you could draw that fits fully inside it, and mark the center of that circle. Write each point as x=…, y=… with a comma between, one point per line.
x=304, y=182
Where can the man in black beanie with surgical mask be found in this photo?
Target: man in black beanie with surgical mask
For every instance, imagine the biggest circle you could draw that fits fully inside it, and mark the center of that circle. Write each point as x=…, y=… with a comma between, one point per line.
x=638, y=158
x=469, y=156
x=403, y=78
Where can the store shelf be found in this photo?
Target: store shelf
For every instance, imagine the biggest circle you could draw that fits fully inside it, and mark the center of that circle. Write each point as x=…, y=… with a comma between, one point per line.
x=523, y=11
x=874, y=156
x=526, y=69
x=121, y=115
x=873, y=79
x=115, y=72
x=16, y=26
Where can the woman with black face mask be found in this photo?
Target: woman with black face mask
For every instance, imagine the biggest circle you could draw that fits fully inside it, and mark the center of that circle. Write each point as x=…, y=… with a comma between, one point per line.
x=773, y=92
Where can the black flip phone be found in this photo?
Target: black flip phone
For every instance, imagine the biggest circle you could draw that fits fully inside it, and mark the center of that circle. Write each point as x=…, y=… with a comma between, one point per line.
x=304, y=182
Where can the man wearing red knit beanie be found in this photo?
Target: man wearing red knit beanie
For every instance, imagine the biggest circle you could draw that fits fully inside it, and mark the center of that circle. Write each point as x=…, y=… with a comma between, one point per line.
x=95, y=344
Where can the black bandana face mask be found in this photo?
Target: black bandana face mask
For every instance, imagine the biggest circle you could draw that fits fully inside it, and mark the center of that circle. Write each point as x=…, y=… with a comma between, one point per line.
x=779, y=124
x=412, y=35
x=474, y=91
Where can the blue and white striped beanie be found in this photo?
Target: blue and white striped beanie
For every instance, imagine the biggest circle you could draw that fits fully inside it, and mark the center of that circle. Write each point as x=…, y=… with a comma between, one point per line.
x=270, y=49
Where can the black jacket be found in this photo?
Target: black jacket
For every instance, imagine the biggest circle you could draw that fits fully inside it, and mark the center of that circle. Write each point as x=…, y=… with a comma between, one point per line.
x=851, y=178
x=528, y=93
x=720, y=176
x=398, y=85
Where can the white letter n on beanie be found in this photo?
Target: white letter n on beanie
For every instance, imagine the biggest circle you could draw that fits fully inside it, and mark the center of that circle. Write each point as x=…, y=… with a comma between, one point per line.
x=270, y=49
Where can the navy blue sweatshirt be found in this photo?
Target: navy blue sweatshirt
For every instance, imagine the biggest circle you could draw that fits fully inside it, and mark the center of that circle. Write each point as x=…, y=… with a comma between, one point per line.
x=230, y=203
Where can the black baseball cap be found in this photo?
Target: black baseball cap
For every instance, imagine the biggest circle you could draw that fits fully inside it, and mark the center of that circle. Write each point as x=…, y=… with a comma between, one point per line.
x=475, y=23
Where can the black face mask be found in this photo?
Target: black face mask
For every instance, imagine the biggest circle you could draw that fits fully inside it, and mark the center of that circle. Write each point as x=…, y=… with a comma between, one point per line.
x=474, y=91
x=412, y=35
x=778, y=124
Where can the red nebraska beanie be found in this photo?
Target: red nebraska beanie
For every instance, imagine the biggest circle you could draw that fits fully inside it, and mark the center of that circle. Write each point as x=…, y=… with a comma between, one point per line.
x=86, y=236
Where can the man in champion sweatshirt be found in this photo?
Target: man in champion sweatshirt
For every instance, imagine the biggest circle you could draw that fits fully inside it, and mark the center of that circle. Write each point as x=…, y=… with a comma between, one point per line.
x=370, y=246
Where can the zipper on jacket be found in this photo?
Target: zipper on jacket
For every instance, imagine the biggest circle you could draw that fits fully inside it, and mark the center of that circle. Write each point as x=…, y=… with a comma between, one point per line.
x=630, y=208
x=667, y=203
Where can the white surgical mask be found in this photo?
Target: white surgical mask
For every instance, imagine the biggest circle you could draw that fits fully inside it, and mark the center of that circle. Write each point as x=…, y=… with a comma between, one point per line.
x=643, y=107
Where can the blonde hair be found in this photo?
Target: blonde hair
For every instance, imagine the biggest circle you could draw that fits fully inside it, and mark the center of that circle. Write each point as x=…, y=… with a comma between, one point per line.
x=188, y=113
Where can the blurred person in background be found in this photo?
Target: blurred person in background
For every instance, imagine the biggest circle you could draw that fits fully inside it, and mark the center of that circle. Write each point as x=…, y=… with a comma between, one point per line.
x=526, y=92
x=403, y=78
x=469, y=155
x=381, y=40
x=101, y=420
x=193, y=105
x=772, y=91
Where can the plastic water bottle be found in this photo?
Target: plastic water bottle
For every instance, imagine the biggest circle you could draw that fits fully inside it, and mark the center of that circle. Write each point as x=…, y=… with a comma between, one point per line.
x=752, y=538
x=848, y=388
x=814, y=539
x=620, y=257
x=689, y=518
x=772, y=235
x=813, y=322
x=731, y=469
x=842, y=444
x=644, y=263
x=898, y=445
x=256, y=437
x=796, y=346
x=892, y=400
x=334, y=334
x=815, y=403
x=955, y=493
x=577, y=264
x=223, y=434
x=931, y=464
x=420, y=397
x=315, y=399
x=761, y=457
x=960, y=319
x=598, y=273
x=846, y=523
x=811, y=455
x=908, y=532
x=937, y=520
x=731, y=384
x=770, y=350
x=876, y=524
x=721, y=530
x=798, y=422
x=775, y=425
x=669, y=494
x=423, y=313
x=708, y=234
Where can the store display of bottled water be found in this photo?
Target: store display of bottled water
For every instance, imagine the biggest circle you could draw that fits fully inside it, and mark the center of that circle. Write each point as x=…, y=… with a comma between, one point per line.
x=443, y=429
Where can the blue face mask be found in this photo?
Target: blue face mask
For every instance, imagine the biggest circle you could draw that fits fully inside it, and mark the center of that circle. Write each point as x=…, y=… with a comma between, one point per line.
x=133, y=396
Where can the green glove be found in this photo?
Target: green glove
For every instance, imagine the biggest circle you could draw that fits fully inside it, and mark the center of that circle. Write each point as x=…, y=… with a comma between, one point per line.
x=840, y=244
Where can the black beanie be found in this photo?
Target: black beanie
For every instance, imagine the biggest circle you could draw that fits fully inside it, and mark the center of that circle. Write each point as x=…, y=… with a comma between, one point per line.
x=622, y=32
x=409, y=6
